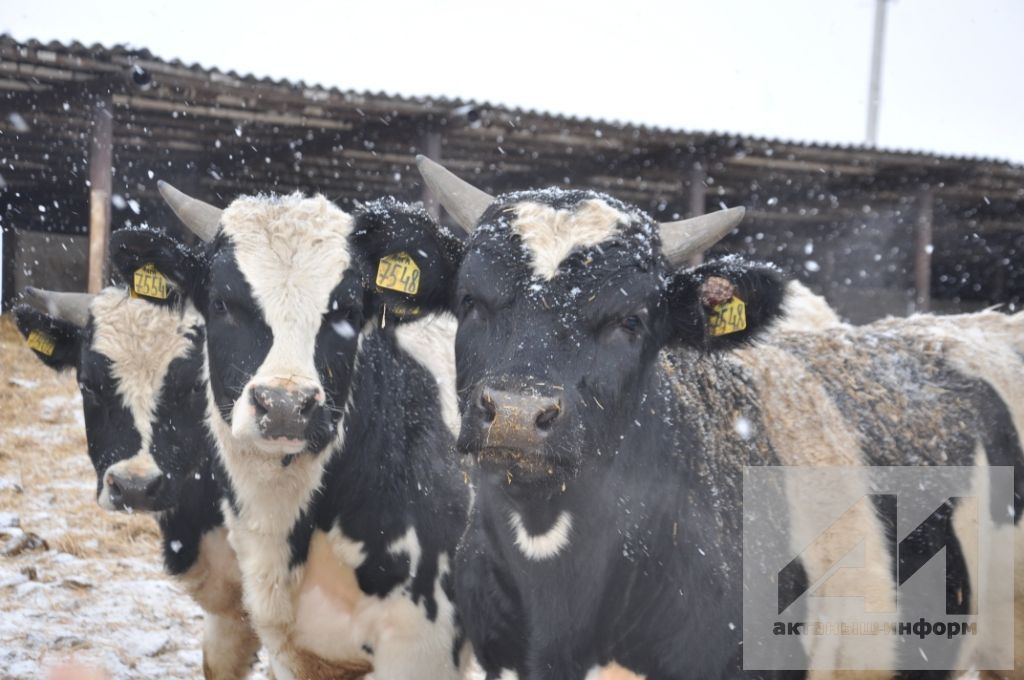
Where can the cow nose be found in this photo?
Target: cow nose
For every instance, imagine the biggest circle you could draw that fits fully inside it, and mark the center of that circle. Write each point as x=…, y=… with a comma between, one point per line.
x=284, y=412
x=516, y=420
x=135, y=492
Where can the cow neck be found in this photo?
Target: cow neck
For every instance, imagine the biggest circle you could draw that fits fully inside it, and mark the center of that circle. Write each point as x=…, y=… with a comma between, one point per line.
x=197, y=512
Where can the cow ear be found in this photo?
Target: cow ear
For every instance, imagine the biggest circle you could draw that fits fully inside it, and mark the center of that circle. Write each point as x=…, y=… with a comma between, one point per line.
x=56, y=342
x=154, y=265
x=724, y=303
x=411, y=260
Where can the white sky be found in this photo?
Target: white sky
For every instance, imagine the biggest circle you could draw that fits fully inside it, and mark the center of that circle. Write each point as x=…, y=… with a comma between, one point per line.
x=798, y=69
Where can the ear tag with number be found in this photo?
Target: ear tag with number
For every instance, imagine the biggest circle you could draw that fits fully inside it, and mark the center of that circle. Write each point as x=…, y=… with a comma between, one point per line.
x=41, y=342
x=399, y=272
x=149, y=282
x=728, y=317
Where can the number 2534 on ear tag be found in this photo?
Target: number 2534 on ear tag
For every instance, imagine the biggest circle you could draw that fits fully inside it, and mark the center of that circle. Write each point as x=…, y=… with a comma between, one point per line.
x=148, y=281
x=728, y=317
x=41, y=342
x=399, y=272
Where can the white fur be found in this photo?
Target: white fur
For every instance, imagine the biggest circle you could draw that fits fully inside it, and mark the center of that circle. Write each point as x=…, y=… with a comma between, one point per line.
x=279, y=244
x=141, y=340
x=431, y=342
x=334, y=619
x=543, y=546
x=550, y=235
x=805, y=311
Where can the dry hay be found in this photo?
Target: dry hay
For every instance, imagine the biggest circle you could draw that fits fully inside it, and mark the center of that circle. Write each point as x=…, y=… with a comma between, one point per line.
x=95, y=590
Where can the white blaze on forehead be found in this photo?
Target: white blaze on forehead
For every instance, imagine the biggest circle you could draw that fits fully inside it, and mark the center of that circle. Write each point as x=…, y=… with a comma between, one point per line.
x=141, y=340
x=551, y=234
x=292, y=251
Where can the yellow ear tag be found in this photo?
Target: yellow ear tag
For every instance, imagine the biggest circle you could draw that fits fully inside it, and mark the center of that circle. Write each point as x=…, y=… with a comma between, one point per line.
x=148, y=281
x=41, y=342
x=399, y=272
x=728, y=317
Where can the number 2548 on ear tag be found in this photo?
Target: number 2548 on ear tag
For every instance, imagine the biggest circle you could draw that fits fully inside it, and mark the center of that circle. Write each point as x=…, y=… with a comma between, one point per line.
x=728, y=317
x=148, y=281
x=399, y=272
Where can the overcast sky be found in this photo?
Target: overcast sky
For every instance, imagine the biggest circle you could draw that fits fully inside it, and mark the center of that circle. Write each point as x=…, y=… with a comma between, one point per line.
x=798, y=69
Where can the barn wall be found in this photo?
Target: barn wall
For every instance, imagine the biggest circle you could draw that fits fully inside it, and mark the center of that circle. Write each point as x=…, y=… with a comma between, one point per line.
x=53, y=261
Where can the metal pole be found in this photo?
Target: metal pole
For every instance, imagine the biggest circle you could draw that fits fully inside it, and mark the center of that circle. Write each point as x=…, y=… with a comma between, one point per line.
x=923, y=228
x=100, y=165
x=875, y=87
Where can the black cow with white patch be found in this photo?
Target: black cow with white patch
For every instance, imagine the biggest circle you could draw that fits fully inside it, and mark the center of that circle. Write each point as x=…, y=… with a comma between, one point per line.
x=328, y=397
x=602, y=412
x=140, y=371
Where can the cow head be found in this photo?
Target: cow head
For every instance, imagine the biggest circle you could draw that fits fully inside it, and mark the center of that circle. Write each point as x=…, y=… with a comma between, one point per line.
x=288, y=286
x=564, y=301
x=139, y=369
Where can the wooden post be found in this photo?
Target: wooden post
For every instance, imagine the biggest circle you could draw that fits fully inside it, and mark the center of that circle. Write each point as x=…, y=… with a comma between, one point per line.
x=698, y=201
x=432, y=150
x=100, y=170
x=923, y=250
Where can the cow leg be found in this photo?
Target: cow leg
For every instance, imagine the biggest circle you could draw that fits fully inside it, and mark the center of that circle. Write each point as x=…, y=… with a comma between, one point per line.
x=229, y=647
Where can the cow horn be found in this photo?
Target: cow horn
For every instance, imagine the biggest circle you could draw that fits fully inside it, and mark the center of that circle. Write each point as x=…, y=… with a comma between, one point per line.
x=201, y=217
x=464, y=201
x=70, y=307
x=684, y=238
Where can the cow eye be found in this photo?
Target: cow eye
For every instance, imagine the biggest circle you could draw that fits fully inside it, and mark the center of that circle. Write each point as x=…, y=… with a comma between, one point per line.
x=218, y=307
x=467, y=305
x=632, y=323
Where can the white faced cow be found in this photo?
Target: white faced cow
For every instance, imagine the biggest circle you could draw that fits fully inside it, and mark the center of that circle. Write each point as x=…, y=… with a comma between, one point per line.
x=601, y=408
x=139, y=368
x=345, y=501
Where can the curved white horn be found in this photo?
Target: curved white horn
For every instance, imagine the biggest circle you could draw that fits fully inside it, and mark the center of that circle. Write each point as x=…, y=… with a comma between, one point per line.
x=70, y=307
x=684, y=238
x=464, y=201
x=201, y=217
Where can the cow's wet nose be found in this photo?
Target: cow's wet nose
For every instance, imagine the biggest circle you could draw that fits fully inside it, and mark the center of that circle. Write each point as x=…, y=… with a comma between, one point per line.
x=516, y=420
x=135, y=492
x=284, y=412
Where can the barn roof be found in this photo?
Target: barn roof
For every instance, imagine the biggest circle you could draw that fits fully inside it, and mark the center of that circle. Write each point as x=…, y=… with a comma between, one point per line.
x=225, y=133
x=874, y=219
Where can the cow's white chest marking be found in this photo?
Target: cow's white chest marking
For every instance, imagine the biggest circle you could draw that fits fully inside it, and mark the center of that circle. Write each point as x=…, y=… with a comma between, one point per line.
x=541, y=546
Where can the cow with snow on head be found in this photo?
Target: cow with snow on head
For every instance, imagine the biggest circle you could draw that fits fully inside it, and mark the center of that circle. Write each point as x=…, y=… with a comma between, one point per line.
x=140, y=371
x=582, y=547
x=327, y=398
x=612, y=401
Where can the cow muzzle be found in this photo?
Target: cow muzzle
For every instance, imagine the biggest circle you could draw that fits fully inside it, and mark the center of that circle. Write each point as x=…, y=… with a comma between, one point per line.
x=509, y=430
x=285, y=408
x=126, y=488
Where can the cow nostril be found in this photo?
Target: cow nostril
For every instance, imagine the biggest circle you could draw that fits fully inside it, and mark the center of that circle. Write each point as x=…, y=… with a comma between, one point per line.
x=307, y=404
x=260, y=400
x=115, y=489
x=547, y=417
x=153, y=487
x=488, y=408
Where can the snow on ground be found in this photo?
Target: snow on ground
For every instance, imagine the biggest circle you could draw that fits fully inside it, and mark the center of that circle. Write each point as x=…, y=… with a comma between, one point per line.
x=76, y=582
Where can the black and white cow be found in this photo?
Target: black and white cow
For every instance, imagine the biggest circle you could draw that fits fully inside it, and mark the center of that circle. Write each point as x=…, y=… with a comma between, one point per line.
x=602, y=413
x=140, y=372
x=327, y=400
